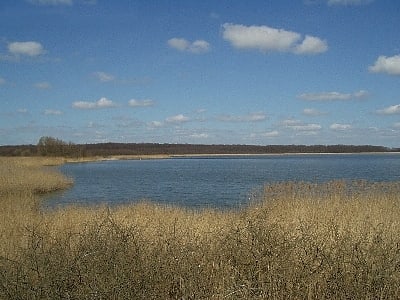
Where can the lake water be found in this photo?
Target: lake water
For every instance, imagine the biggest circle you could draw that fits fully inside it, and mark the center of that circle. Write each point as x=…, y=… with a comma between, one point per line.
x=219, y=182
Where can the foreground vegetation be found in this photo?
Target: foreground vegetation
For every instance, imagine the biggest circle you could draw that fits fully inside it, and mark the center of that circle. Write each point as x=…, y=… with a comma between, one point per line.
x=335, y=240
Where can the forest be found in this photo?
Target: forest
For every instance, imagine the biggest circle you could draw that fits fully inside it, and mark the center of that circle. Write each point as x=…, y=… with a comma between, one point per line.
x=50, y=146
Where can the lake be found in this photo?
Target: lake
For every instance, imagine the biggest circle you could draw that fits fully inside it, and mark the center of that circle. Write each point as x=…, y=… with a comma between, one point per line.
x=216, y=181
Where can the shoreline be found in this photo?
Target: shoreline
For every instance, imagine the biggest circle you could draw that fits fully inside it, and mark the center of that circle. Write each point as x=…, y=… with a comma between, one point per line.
x=204, y=155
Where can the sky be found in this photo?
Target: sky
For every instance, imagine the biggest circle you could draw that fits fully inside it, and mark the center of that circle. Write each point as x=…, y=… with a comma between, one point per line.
x=256, y=72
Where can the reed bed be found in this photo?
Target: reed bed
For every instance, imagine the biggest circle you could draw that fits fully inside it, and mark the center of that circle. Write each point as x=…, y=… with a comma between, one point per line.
x=335, y=240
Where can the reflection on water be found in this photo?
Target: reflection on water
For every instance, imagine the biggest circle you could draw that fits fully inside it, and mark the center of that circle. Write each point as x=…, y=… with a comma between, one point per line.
x=222, y=182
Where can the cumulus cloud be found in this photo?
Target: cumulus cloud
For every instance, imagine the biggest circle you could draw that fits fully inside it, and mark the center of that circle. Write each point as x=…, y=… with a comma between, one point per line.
x=53, y=112
x=140, y=103
x=391, y=110
x=265, y=39
x=197, y=47
x=389, y=65
x=103, y=76
x=349, y=2
x=311, y=45
x=42, y=85
x=341, y=127
x=51, y=2
x=30, y=48
x=101, y=103
x=333, y=96
x=252, y=117
x=177, y=119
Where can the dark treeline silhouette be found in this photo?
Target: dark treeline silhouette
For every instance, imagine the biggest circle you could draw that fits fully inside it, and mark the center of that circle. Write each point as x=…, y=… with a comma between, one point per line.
x=49, y=146
x=180, y=149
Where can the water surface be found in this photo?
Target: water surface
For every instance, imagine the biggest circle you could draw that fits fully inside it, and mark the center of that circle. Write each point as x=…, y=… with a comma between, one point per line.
x=221, y=182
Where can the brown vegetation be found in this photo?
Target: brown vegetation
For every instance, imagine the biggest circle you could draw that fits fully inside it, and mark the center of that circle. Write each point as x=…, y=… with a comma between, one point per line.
x=335, y=240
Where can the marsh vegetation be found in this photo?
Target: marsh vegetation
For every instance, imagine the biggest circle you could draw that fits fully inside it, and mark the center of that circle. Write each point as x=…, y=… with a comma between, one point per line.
x=331, y=240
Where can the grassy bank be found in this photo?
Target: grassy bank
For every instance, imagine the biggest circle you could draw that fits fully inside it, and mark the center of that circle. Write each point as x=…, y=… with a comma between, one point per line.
x=302, y=241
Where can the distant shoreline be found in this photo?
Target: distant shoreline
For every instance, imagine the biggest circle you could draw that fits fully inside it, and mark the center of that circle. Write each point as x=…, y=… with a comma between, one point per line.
x=49, y=146
x=205, y=155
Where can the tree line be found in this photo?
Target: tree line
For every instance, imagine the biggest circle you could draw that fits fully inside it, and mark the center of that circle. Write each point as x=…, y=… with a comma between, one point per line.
x=50, y=146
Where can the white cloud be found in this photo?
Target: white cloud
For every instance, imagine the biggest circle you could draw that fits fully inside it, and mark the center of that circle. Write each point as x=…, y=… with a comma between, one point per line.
x=311, y=45
x=101, y=103
x=50, y=2
x=197, y=47
x=200, y=110
x=22, y=111
x=270, y=134
x=103, y=76
x=337, y=126
x=300, y=126
x=265, y=39
x=349, y=2
x=26, y=48
x=42, y=85
x=306, y=127
x=290, y=122
x=252, y=117
x=312, y=112
x=177, y=119
x=199, y=135
x=178, y=44
x=155, y=124
x=391, y=110
x=140, y=103
x=104, y=102
x=333, y=96
x=53, y=112
x=388, y=65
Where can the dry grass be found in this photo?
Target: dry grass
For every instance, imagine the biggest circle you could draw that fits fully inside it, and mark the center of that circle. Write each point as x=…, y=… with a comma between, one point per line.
x=302, y=241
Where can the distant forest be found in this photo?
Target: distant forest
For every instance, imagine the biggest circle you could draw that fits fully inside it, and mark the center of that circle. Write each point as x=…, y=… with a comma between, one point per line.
x=49, y=146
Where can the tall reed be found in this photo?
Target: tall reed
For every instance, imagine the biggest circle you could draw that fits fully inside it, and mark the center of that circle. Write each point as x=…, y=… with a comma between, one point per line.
x=334, y=240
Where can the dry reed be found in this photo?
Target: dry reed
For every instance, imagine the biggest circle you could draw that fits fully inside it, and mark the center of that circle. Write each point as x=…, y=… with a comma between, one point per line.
x=335, y=240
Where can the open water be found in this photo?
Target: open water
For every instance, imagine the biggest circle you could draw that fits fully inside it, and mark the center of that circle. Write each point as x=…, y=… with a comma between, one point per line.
x=218, y=182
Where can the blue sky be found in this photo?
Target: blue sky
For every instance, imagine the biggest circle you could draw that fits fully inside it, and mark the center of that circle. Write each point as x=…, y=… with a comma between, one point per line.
x=204, y=72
